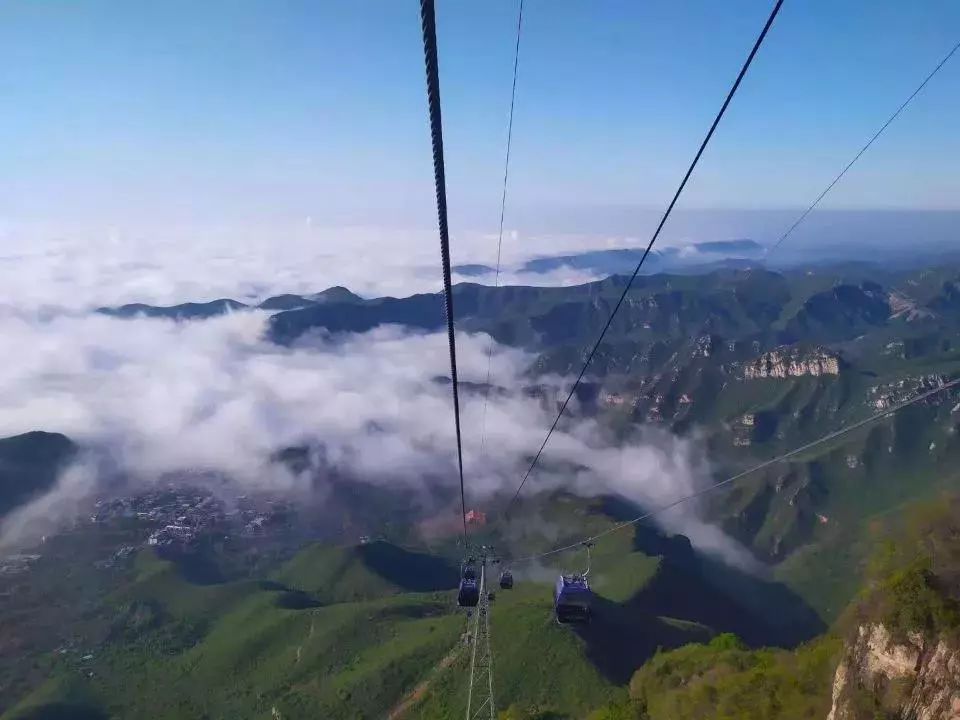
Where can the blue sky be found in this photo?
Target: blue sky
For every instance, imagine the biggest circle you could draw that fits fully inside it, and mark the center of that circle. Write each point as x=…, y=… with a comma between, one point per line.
x=274, y=111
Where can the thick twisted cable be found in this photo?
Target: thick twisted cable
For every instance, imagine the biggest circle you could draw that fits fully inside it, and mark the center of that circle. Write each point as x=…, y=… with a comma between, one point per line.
x=429, y=26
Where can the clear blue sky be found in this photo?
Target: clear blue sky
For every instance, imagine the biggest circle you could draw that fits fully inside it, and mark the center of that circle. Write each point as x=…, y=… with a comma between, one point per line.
x=266, y=110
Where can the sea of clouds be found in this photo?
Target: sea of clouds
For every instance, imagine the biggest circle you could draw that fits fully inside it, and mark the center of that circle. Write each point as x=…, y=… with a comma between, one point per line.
x=159, y=396
x=42, y=268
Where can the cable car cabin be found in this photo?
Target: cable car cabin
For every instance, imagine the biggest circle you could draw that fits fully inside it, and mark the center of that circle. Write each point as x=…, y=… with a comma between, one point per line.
x=506, y=580
x=469, y=593
x=571, y=599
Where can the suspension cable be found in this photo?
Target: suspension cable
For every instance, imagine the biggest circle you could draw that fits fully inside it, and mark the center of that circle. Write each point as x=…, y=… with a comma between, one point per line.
x=779, y=242
x=429, y=27
x=503, y=206
x=739, y=476
x=646, y=252
x=856, y=157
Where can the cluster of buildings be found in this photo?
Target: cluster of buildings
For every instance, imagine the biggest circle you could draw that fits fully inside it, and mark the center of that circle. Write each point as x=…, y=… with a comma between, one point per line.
x=15, y=564
x=169, y=504
x=886, y=396
x=178, y=516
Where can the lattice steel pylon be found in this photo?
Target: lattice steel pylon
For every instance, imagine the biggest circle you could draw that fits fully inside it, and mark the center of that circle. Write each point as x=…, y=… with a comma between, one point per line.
x=480, y=702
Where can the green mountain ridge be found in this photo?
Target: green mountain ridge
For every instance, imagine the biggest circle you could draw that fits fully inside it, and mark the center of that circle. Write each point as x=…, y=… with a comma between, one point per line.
x=369, y=643
x=347, y=631
x=363, y=572
x=30, y=464
x=183, y=311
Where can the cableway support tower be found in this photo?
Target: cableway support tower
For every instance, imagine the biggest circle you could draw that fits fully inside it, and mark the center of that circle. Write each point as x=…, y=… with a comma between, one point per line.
x=480, y=702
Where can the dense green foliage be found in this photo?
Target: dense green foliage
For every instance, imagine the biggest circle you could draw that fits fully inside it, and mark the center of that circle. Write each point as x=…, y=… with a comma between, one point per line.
x=912, y=601
x=724, y=680
x=175, y=649
x=914, y=577
x=547, y=670
x=913, y=586
x=178, y=650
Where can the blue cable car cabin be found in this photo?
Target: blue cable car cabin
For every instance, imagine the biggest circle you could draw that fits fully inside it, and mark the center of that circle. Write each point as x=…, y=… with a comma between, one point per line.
x=571, y=599
x=506, y=580
x=469, y=592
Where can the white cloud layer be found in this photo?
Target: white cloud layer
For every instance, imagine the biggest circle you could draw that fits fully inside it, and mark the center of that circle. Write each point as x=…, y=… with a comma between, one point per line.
x=213, y=395
x=42, y=268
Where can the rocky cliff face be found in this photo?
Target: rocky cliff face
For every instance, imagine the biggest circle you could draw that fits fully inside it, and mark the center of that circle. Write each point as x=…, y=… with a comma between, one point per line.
x=787, y=362
x=913, y=679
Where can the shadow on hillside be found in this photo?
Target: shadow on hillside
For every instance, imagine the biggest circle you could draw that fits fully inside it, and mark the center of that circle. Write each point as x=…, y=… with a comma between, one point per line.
x=702, y=589
x=411, y=571
x=296, y=600
x=416, y=611
x=728, y=600
x=194, y=567
x=693, y=588
x=619, y=639
x=760, y=610
x=622, y=636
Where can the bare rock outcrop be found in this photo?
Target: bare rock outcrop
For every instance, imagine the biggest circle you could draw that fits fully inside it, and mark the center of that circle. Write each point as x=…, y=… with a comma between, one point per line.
x=784, y=362
x=912, y=678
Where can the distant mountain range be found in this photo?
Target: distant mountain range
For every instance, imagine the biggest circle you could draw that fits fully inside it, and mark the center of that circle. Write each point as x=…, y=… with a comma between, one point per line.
x=696, y=257
x=199, y=311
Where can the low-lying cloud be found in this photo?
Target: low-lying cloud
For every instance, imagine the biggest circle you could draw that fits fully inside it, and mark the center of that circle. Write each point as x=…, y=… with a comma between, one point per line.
x=162, y=397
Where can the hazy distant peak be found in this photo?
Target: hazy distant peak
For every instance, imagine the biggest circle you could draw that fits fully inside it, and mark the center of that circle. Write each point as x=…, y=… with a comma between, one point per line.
x=337, y=293
x=731, y=246
x=183, y=311
x=473, y=269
